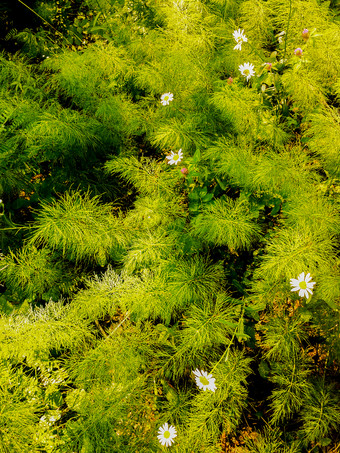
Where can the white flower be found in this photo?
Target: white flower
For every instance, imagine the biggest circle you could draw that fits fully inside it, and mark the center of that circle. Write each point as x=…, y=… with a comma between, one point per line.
x=174, y=158
x=204, y=380
x=166, y=434
x=239, y=38
x=302, y=284
x=247, y=70
x=166, y=98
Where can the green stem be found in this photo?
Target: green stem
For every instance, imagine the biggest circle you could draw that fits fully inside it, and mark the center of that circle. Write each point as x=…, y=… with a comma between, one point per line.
x=290, y=11
x=256, y=51
x=48, y=23
x=226, y=352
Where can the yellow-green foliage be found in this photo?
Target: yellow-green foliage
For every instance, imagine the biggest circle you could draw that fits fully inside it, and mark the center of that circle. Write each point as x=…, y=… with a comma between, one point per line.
x=78, y=226
x=323, y=133
x=261, y=31
x=21, y=272
x=219, y=222
x=124, y=274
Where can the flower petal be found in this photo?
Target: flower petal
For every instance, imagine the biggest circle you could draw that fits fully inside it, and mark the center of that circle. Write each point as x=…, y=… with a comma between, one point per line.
x=310, y=285
x=301, y=277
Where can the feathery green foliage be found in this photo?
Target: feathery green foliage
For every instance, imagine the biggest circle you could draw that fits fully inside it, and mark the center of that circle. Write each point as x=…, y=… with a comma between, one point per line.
x=78, y=226
x=164, y=215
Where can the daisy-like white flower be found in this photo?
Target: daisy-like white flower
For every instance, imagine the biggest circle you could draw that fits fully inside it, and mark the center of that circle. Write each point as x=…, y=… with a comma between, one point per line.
x=247, y=70
x=302, y=284
x=166, y=434
x=204, y=380
x=239, y=38
x=174, y=158
x=166, y=98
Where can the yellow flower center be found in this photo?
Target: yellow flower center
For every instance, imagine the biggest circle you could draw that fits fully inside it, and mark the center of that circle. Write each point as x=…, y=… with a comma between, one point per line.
x=303, y=285
x=175, y=157
x=204, y=380
x=239, y=39
x=166, y=98
x=167, y=434
x=246, y=72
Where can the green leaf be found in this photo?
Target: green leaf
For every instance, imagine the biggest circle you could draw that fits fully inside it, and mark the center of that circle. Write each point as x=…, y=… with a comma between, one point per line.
x=277, y=207
x=194, y=173
x=194, y=207
x=53, y=397
x=222, y=184
x=325, y=441
x=330, y=303
x=193, y=195
x=196, y=156
x=264, y=369
x=240, y=334
x=203, y=192
x=208, y=197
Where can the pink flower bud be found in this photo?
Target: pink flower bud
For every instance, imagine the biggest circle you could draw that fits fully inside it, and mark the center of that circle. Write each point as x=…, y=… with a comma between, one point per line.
x=298, y=52
x=184, y=171
x=269, y=66
x=305, y=34
x=230, y=81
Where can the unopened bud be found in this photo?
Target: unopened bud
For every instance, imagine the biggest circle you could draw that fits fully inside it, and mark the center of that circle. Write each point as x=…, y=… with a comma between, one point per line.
x=269, y=66
x=305, y=34
x=184, y=171
x=230, y=81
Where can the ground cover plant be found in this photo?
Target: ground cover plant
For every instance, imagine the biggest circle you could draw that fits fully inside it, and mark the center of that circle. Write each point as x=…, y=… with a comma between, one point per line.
x=169, y=221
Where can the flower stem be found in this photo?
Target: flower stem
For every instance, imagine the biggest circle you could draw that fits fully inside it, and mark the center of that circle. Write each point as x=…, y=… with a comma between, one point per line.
x=255, y=50
x=226, y=352
x=48, y=23
x=289, y=16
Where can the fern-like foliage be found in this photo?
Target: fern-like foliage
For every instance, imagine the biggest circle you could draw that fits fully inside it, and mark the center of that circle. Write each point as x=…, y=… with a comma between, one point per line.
x=79, y=226
x=283, y=337
x=227, y=222
x=146, y=175
x=18, y=416
x=31, y=273
x=291, y=251
x=39, y=331
x=322, y=132
x=261, y=30
x=207, y=327
x=268, y=441
x=193, y=279
x=302, y=85
x=320, y=414
x=148, y=250
x=98, y=70
x=293, y=388
x=316, y=208
x=209, y=411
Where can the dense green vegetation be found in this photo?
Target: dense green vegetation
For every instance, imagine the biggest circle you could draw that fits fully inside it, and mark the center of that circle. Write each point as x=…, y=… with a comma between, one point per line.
x=169, y=185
